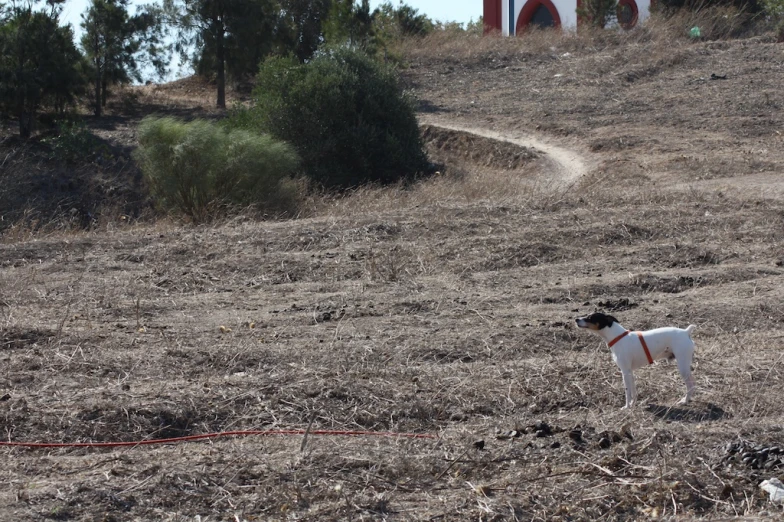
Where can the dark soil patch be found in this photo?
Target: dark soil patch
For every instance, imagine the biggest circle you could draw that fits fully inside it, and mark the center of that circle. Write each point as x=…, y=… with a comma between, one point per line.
x=444, y=143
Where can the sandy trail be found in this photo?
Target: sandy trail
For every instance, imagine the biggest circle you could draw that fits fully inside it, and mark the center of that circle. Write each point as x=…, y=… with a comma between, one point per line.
x=568, y=165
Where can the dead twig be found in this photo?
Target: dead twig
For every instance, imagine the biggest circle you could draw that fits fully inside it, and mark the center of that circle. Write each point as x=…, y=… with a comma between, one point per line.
x=307, y=432
x=452, y=464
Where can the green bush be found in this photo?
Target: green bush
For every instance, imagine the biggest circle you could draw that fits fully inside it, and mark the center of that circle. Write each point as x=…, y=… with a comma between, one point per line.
x=202, y=169
x=75, y=143
x=774, y=8
x=395, y=22
x=345, y=113
x=775, y=11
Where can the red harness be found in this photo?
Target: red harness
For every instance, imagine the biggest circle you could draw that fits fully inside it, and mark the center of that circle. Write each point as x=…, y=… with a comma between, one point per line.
x=642, y=342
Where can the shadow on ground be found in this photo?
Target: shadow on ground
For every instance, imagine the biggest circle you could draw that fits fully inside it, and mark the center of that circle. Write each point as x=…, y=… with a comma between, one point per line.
x=696, y=413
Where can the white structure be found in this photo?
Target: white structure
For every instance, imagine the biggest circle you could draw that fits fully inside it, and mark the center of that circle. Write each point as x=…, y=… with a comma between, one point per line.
x=513, y=16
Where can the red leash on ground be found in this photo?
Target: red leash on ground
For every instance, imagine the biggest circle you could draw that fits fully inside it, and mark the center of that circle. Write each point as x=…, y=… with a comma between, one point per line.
x=191, y=438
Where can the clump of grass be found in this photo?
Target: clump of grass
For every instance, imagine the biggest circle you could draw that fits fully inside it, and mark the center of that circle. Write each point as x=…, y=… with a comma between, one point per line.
x=201, y=170
x=74, y=142
x=715, y=22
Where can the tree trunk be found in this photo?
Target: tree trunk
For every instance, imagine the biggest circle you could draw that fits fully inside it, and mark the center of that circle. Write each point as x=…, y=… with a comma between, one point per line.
x=221, y=56
x=103, y=93
x=98, y=82
x=25, y=116
x=96, y=47
x=26, y=119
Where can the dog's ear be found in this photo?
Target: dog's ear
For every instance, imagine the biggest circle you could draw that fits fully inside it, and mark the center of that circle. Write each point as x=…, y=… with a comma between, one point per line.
x=610, y=320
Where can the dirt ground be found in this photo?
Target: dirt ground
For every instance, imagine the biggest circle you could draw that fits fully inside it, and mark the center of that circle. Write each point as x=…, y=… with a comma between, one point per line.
x=611, y=175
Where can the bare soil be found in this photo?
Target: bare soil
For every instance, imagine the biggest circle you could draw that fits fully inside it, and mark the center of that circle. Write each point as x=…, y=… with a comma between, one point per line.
x=446, y=308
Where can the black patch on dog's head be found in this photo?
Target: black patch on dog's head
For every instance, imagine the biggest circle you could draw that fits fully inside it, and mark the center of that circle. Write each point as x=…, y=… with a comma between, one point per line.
x=598, y=320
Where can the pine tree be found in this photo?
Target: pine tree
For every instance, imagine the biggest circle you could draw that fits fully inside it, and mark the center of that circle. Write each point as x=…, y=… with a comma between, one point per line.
x=39, y=63
x=113, y=42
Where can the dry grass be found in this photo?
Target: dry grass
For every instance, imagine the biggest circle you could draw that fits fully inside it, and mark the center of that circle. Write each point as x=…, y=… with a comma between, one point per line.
x=442, y=307
x=661, y=31
x=185, y=94
x=442, y=316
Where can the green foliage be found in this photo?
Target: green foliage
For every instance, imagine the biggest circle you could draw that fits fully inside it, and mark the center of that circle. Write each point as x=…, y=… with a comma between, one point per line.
x=74, y=142
x=201, y=169
x=475, y=27
x=391, y=24
x=401, y=21
x=39, y=64
x=773, y=8
x=227, y=35
x=249, y=34
x=113, y=42
x=598, y=13
x=349, y=24
x=344, y=112
x=300, y=28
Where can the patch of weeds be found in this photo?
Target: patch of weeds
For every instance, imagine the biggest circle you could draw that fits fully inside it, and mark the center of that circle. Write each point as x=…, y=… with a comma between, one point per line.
x=12, y=338
x=74, y=143
x=59, y=513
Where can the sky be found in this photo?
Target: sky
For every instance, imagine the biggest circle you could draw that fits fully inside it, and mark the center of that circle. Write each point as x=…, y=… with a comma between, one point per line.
x=443, y=10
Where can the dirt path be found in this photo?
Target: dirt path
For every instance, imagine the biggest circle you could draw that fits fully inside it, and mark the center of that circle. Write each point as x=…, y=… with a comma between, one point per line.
x=568, y=164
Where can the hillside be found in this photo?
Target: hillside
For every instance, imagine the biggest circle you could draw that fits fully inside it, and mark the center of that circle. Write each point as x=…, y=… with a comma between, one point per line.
x=637, y=175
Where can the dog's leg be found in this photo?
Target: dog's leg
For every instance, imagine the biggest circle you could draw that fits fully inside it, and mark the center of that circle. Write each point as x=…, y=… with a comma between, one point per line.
x=684, y=367
x=630, y=387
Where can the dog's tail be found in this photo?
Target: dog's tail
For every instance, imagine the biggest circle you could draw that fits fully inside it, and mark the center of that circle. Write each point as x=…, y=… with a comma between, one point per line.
x=690, y=329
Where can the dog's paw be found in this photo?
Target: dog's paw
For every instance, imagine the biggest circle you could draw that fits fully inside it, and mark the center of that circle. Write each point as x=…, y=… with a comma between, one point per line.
x=684, y=400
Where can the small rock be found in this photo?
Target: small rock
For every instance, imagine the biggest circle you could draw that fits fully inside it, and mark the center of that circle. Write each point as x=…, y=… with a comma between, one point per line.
x=775, y=489
x=612, y=436
x=543, y=429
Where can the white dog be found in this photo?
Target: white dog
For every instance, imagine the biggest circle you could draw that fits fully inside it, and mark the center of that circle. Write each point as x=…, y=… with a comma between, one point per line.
x=632, y=350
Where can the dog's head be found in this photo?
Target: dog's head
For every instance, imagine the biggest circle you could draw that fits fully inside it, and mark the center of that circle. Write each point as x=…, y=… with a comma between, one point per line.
x=596, y=321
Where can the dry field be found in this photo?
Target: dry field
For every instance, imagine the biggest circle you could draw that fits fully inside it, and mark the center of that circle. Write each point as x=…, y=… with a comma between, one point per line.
x=445, y=309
